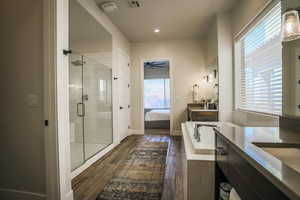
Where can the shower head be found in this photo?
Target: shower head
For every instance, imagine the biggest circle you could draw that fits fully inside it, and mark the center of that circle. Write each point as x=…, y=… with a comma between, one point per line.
x=77, y=62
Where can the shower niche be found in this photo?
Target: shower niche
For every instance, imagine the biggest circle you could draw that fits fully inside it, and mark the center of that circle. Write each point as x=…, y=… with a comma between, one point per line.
x=90, y=85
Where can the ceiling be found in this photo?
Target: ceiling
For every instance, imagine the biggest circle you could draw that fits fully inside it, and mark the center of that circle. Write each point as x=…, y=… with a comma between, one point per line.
x=86, y=34
x=176, y=19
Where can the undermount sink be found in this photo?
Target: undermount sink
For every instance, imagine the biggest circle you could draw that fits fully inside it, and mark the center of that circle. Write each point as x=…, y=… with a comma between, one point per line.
x=288, y=153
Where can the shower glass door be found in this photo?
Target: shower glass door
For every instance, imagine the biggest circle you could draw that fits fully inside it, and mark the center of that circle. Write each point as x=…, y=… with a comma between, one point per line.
x=76, y=109
x=97, y=97
x=90, y=93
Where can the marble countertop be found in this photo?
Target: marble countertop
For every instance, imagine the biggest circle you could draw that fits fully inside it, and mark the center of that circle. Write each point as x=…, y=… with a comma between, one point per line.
x=284, y=177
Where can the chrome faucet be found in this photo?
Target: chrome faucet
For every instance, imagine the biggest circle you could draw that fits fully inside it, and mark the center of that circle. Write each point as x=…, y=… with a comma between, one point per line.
x=196, y=132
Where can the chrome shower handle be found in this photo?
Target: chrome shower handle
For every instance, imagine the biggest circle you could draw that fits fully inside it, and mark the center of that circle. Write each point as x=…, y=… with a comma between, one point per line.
x=82, y=114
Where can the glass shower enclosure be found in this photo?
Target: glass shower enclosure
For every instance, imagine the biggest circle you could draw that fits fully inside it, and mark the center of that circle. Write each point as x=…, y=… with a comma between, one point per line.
x=90, y=91
x=90, y=86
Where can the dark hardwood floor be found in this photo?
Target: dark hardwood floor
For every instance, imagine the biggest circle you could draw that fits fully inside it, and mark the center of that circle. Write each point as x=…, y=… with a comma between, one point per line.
x=89, y=183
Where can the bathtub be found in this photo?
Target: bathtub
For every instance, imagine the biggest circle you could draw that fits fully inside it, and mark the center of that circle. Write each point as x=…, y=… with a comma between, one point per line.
x=206, y=144
x=198, y=160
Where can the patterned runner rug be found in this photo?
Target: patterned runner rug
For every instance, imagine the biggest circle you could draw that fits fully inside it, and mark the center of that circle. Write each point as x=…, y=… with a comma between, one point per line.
x=141, y=176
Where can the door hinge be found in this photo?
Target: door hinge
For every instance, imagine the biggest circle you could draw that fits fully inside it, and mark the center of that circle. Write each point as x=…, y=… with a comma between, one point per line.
x=128, y=85
x=128, y=106
x=128, y=64
x=46, y=122
x=128, y=127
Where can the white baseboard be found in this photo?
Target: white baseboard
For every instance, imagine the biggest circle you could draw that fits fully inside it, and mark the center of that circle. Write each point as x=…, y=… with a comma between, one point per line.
x=9, y=194
x=176, y=133
x=136, y=132
x=70, y=195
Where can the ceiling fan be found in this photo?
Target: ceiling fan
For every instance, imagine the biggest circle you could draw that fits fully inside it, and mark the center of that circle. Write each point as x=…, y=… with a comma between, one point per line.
x=157, y=64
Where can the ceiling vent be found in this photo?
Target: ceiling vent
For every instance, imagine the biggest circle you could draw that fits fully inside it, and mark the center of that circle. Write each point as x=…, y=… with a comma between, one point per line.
x=134, y=3
x=109, y=6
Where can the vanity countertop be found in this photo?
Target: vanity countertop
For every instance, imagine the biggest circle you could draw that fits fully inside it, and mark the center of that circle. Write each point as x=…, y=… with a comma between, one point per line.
x=284, y=177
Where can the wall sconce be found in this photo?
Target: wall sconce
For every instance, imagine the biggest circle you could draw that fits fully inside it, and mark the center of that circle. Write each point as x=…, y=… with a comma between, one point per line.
x=210, y=77
x=290, y=25
x=196, y=96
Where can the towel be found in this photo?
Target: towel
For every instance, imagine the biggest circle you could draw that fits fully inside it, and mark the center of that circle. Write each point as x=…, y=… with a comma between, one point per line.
x=234, y=195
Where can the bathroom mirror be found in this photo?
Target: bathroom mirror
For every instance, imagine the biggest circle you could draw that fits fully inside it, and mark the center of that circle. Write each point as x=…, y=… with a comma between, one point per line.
x=291, y=69
x=212, y=81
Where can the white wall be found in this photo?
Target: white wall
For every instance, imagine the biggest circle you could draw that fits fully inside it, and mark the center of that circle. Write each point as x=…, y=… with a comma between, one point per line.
x=211, y=44
x=187, y=67
x=225, y=64
x=22, y=162
x=242, y=14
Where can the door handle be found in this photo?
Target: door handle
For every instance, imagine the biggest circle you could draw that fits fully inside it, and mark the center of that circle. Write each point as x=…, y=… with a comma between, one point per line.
x=83, y=109
x=82, y=114
x=121, y=107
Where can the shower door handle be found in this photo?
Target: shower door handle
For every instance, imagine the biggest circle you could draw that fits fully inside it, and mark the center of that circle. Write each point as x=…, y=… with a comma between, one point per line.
x=82, y=113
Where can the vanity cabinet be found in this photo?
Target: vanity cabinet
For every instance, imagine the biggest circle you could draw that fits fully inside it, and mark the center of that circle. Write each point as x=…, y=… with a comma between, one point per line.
x=248, y=181
x=198, y=113
x=222, y=155
x=202, y=115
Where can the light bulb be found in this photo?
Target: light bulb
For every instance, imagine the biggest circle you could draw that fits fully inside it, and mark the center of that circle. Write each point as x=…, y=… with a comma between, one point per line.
x=290, y=25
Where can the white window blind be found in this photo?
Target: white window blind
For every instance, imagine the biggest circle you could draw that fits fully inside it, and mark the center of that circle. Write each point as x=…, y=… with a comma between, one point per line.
x=261, y=65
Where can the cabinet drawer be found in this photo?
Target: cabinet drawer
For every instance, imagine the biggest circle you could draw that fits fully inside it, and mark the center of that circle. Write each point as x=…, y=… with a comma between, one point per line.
x=221, y=154
x=204, y=116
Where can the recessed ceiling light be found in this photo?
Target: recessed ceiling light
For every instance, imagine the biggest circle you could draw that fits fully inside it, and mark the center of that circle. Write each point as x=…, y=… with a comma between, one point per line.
x=156, y=30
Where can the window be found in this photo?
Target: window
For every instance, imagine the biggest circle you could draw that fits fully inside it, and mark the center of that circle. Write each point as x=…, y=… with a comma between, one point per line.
x=157, y=93
x=259, y=66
